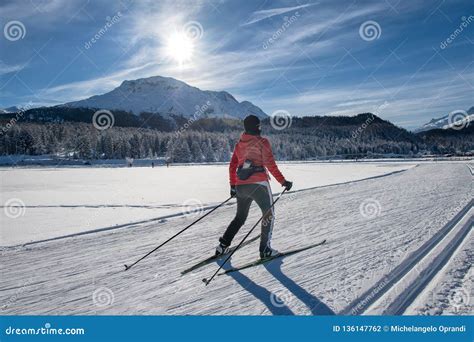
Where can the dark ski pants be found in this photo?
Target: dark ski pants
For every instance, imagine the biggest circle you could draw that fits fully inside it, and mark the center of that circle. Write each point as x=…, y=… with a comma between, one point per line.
x=246, y=194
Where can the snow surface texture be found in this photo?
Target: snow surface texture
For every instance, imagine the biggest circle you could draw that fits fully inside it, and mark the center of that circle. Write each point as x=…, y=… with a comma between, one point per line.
x=371, y=227
x=167, y=95
x=401, y=287
x=452, y=291
x=62, y=201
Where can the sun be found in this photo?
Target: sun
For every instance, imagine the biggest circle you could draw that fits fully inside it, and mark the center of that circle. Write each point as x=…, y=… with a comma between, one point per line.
x=179, y=47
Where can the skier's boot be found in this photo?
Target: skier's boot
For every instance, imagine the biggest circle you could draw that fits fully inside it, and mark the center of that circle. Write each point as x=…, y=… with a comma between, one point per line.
x=221, y=249
x=268, y=252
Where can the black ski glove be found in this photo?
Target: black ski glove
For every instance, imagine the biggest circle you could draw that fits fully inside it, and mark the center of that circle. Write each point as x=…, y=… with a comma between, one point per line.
x=287, y=185
x=233, y=192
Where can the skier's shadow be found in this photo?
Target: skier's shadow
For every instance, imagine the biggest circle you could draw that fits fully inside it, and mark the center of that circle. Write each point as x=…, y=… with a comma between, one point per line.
x=316, y=306
x=258, y=292
x=270, y=300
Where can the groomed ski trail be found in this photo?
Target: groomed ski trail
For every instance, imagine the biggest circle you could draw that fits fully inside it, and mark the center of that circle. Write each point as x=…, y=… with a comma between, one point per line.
x=394, y=293
x=373, y=226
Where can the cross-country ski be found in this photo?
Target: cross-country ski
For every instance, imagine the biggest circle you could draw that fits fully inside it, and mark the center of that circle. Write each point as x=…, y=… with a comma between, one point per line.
x=270, y=258
x=217, y=257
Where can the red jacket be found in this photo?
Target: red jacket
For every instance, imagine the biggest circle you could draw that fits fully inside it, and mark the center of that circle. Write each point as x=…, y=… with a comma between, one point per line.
x=258, y=150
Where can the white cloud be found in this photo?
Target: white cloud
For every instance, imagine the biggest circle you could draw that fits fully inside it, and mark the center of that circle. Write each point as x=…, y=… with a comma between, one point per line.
x=82, y=89
x=236, y=61
x=150, y=23
x=416, y=99
x=7, y=69
x=265, y=14
x=356, y=102
x=42, y=13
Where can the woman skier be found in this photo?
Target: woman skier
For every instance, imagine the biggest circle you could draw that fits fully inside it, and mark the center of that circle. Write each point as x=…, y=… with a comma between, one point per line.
x=249, y=181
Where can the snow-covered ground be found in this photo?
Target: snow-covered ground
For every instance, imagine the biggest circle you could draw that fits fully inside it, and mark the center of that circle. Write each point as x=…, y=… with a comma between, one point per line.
x=372, y=226
x=52, y=202
x=400, y=289
x=452, y=291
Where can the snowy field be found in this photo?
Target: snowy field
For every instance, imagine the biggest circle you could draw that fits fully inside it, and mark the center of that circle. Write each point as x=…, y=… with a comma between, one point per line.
x=380, y=231
x=64, y=201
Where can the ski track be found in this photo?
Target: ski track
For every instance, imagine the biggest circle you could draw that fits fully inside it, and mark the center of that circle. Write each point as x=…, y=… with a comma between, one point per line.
x=84, y=274
x=401, y=287
x=452, y=290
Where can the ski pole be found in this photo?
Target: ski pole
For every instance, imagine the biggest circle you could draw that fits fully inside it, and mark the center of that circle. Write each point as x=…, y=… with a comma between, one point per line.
x=127, y=267
x=205, y=281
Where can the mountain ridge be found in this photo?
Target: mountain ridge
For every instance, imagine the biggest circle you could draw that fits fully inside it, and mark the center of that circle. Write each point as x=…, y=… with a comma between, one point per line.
x=443, y=122
x=169, y=96
x=65, y=131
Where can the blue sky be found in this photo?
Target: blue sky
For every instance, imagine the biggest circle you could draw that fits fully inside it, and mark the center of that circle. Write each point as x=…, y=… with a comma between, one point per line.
x=305, y=57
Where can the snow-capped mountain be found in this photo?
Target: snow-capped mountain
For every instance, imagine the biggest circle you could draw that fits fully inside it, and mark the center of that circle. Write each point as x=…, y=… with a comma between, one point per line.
x=444, y=122
x=8, y=110
x=166, y=95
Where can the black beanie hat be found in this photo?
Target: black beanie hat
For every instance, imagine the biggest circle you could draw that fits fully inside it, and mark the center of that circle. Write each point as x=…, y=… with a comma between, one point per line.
x=252, y=125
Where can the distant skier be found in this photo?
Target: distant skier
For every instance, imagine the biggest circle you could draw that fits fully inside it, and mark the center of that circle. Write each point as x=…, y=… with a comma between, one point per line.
x=249, y=181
